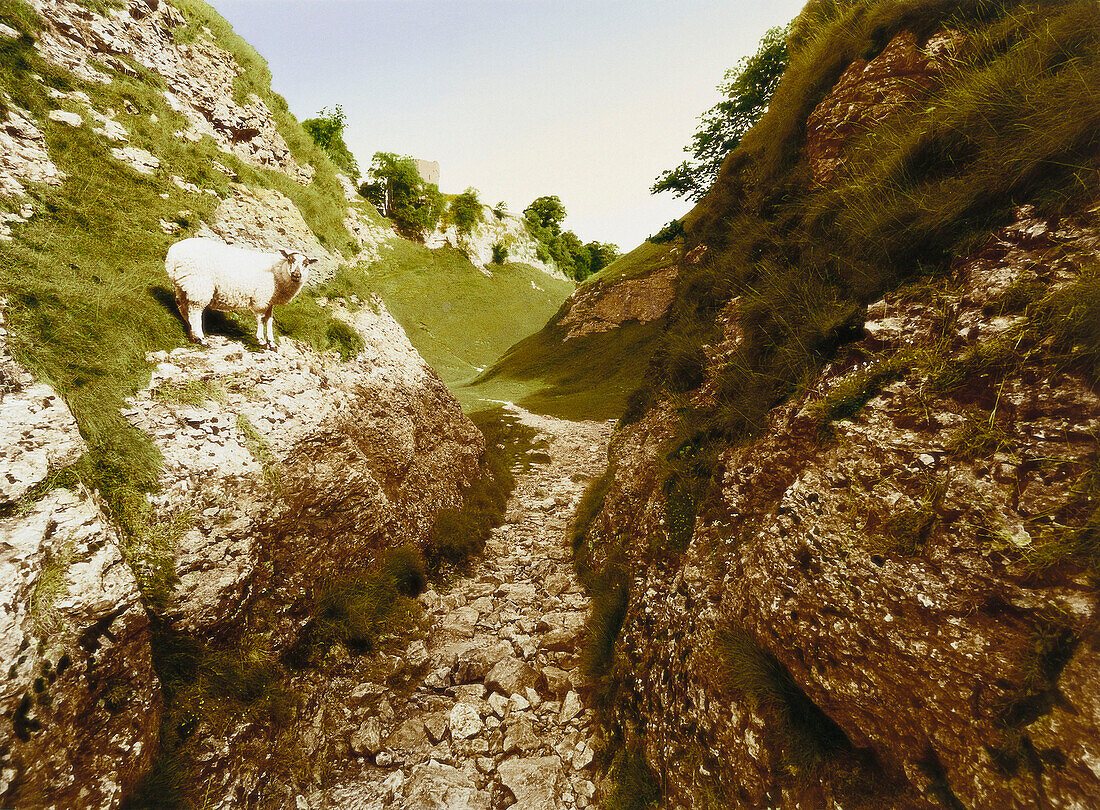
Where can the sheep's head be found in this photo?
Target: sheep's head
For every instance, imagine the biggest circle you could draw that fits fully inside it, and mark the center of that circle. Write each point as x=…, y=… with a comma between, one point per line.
x=297, y=265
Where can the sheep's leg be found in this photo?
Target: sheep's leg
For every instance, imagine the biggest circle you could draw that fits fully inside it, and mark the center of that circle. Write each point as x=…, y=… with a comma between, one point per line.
x=181, y=305
x=260, y=317
x=270, y=327
x=194, y=319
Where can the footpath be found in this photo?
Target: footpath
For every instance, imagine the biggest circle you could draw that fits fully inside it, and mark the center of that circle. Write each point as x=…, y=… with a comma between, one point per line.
x=496, y=720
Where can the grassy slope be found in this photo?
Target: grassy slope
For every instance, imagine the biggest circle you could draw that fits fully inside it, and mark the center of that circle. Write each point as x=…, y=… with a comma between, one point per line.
x=1013, y=122
x=584, y=378
x=458, y=318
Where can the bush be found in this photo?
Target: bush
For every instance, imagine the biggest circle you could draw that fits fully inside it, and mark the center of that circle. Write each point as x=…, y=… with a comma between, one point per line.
x=500, y=253
x=465, y=212
x=397, y=189
x=672, y=230
x=327, y=131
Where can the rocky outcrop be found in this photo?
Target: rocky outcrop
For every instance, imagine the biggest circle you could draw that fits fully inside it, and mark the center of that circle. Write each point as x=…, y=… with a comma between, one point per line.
x=508, y=231
x=38, y=435
x=596, y=308
x=80, y=701
x=200, y=77
x=265, y=452
x=871, y=91
x=895, y=567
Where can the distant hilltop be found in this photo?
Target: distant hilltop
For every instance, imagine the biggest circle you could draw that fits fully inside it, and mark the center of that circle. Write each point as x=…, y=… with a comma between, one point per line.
x=429, y=171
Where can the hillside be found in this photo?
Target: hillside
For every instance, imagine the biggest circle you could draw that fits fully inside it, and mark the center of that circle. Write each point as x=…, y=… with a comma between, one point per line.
x=198, y=543
x=844, y=551
x=458, y=316
x=593, y=353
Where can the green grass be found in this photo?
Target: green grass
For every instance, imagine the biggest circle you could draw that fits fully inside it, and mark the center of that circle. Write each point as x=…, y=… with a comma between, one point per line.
x=207, y=685
x=459, y=319
x=589, y=377
x=546, y=373
x=647, y=258
x=150, y=551
x=365, y=608
x=807, y=737
x=632, y=784
x=915, y=195
x=979, y=437
x=189, y=392
x=84, y=280
x=847, y=399
x=51, y=585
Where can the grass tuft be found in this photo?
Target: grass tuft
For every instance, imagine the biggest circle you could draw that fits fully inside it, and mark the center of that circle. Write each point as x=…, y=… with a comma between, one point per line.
x=633, y=785
x=189, y=392
x=807, y=736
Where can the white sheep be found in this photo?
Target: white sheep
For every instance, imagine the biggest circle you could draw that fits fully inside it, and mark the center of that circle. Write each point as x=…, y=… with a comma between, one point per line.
x=209, y=273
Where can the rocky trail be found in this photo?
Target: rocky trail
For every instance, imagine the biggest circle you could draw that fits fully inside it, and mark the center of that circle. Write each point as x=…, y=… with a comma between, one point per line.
x=492, y=718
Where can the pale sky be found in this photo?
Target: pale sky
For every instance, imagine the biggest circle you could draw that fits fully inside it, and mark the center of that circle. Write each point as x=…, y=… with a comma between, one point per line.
x=586, y=99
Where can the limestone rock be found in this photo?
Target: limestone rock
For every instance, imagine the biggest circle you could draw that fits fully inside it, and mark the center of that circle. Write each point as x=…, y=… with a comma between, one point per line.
x=38, y=434
x=341, y=437
x=435, y=786
x=919, y=644
x=596, y=308
x=140, y=160
x=409, y=736
x=80, y=696
x=520, y=737
x=24, y=154
x=198, y=74
x=534, y=781
x=465, y=721
x=511, y=676
x=509, y=230
x=368, y=738
x=866, y=93
x=69, y=118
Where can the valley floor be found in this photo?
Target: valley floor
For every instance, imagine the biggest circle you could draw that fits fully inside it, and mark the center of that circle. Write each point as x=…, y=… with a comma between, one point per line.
x=494, y=718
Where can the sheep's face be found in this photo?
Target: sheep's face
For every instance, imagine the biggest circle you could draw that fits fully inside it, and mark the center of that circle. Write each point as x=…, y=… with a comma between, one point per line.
x=297, y=265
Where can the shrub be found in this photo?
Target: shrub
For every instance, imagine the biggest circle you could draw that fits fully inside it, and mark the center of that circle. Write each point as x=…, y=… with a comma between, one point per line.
x=327, y=131
x=396, y=187
x=669, y=232
x=500, y=253
x=465, y=212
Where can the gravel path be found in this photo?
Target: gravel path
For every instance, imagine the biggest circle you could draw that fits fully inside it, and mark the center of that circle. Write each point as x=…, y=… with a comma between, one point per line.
x=493, y=719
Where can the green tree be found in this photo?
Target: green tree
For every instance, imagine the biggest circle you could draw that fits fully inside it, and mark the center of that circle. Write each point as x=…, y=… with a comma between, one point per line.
x=546, y=212
x=601, y=254
x=466, y=212
x=397, y=189
x=327, y=131
x=746, y=88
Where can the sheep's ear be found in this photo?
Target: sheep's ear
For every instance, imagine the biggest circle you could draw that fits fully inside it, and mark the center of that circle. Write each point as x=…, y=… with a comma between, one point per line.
x=288, y=255
x=310, y=261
